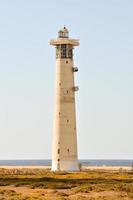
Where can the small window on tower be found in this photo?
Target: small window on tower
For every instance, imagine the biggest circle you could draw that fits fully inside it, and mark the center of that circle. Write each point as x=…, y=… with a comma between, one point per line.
x=58, y=151
x=63, y=51
x=70, y=51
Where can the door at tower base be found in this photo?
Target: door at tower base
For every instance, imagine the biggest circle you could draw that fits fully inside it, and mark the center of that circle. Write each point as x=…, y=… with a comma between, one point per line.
x=65, y=166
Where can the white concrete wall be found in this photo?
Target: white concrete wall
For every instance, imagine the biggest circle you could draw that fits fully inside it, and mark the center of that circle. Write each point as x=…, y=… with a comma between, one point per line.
x=64, y=154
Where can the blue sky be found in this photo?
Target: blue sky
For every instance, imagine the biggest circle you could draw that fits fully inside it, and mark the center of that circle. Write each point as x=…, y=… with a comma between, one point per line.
x=105, y=77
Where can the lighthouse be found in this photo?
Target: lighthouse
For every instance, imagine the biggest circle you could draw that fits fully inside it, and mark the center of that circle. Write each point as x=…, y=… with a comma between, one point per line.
x=64, y=148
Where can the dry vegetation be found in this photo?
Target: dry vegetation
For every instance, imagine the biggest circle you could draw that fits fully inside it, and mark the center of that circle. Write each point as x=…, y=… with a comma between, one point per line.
x=40, y=184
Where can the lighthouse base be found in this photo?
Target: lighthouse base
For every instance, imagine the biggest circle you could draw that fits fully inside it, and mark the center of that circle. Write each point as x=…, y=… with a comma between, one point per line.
x=65, y=166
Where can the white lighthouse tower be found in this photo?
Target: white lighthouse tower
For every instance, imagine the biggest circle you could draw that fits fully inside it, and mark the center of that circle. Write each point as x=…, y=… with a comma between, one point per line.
x=64, y=154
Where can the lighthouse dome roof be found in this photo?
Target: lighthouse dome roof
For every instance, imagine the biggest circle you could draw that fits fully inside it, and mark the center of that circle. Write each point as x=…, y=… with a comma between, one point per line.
x=63, y=33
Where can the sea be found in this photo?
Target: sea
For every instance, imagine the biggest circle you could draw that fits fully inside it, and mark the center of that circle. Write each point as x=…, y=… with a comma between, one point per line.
x=87, y=162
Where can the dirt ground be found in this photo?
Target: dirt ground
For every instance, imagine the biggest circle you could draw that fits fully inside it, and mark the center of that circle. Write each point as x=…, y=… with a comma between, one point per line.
x=41, y=184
